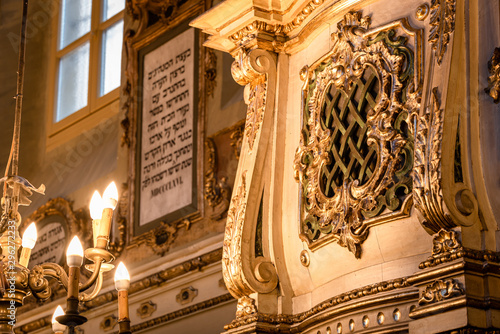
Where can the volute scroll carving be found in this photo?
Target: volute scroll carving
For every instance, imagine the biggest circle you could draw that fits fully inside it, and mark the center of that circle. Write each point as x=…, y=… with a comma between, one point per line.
x=428, y=193
x=245, y=273
x=355, y=153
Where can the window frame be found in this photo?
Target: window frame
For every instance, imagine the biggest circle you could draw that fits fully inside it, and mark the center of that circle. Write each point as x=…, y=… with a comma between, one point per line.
x=98, y=107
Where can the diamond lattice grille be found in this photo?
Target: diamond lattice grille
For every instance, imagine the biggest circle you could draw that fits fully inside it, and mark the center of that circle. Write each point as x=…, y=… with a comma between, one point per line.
x=344, y=112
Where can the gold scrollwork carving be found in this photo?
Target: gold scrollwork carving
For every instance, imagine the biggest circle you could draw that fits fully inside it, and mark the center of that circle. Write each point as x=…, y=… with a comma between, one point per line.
x=231, y=253
x=217, y=192
x=442, y=26
x=355, y=155
x=494, y=79
x=427, y=184
x=243, y=271
x=440, y=290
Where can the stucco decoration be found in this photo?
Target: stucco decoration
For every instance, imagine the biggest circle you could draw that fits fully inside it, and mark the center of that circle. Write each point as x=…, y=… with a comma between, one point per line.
x=355, y=153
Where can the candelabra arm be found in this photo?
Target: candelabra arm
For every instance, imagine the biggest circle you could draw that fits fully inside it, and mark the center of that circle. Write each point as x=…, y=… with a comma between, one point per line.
x=97, y=288
x=38, y=283
x=93, y=278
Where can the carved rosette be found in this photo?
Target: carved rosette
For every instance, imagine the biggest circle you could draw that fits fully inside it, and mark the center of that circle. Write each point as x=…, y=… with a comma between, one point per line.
x=355, y=155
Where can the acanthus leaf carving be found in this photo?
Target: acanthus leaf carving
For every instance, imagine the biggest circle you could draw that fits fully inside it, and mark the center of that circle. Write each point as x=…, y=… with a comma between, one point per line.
x=442, y=23
x=353, y=165
x=231, y=252
x=446, y=247
x=427, y=191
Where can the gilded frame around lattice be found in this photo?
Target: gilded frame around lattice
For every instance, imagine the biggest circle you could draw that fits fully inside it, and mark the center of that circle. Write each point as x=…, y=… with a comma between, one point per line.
x=355, y=46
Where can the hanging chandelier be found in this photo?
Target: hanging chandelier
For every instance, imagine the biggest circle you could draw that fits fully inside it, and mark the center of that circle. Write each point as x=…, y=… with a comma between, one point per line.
x=16, y=280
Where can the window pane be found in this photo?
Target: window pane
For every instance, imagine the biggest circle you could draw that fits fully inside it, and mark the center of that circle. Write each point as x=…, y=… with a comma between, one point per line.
x=72, y=90
x=111, y=58
x=111, y=8
x=75, y=20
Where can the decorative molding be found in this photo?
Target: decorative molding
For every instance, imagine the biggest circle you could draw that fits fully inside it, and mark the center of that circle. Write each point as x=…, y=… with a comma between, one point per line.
x=427, y=184
x=351, y=167
x=187, y=295
x=109, y=322
x=161, y=238
x=494, y=79
x=145, y=310
x=217, y=192
x=442, y=23
x=210, y=72
x=293, y=319
x=181, y=313
x=246, y=307
x=440, y=290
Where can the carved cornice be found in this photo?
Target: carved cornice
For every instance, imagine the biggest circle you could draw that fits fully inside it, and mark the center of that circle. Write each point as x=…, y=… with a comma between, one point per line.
x=349, y=296
x=447, y=248
x=494, y=79
x=346, y=181
x=442, y=23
